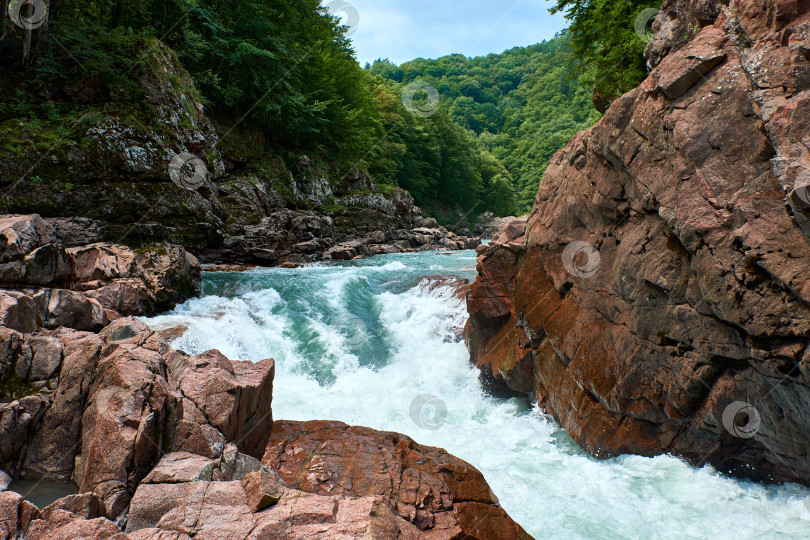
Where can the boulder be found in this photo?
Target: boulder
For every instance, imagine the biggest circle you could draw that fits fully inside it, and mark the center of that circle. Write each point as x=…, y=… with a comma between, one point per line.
x=46, y=357
x=347, y=250
x=150, y=280
x=61, y=307
x=231, y=397
x=16, y=514
x=19, y=312
x=219, y=511
x=125, y=297
x=438, y=493
x=46, y=265
x=179, y=467
x=262, y=489
x=50, y=449
x=5, y=481
x=20, y=235
x=83, y=506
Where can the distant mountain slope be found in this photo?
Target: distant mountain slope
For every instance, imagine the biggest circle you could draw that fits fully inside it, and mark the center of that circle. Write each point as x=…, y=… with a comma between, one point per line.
x=522, y=104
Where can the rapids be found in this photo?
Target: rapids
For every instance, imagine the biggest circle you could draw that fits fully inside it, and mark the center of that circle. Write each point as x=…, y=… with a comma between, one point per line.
x=372, y=343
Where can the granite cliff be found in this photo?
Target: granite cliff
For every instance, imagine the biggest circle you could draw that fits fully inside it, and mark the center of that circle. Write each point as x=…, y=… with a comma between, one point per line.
x=657, y=299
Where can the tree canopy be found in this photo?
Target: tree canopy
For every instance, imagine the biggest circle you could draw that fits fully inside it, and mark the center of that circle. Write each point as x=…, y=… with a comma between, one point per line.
x=608, y=53
x=521, y=106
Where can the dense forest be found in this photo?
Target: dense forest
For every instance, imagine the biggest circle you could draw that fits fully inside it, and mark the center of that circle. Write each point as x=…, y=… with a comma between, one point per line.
x=285, y=73
x=522, y=105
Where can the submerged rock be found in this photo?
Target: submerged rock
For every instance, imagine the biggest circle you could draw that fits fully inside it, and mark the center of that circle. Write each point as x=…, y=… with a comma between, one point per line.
x=659, y=301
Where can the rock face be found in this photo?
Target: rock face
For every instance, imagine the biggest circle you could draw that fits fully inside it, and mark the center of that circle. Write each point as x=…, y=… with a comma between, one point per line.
x=99, y=409
x=659, y=300
x=443, y=496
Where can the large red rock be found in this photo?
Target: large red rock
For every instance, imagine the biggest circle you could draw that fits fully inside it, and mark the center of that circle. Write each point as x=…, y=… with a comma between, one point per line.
x=232, y=397
x=662, y=303
x=443, y=496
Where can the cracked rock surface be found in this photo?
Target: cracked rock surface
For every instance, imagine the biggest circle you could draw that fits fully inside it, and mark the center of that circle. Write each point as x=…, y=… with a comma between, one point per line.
x=690, y=337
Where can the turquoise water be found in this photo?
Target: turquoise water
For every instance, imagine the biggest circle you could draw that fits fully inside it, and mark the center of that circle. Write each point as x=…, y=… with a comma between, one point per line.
x=373, y=343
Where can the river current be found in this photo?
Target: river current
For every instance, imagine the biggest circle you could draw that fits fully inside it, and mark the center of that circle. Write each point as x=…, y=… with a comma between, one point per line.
x=373, y=343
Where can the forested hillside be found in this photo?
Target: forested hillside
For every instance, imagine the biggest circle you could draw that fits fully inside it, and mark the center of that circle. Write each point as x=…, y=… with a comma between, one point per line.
x=522, y=105
x=278, y=79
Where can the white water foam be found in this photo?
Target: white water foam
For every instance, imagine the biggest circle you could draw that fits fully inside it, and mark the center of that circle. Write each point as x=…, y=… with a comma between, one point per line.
x=541, y=477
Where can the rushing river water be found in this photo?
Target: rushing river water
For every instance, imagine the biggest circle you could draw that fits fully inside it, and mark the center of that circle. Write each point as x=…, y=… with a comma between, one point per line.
x=366, y=342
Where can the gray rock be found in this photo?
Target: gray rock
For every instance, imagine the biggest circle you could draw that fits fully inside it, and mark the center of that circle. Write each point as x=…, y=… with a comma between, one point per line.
x=70, y=309
x=18, y=311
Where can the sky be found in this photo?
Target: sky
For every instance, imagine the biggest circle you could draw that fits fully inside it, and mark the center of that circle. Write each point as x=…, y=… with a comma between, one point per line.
x=402, y=30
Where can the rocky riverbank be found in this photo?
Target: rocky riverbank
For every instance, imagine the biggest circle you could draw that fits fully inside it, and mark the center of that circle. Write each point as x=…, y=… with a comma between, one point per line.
x=163, y=445
x=656, y=300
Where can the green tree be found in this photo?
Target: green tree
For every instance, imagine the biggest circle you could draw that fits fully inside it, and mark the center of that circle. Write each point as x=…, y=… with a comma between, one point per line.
x=607, y=53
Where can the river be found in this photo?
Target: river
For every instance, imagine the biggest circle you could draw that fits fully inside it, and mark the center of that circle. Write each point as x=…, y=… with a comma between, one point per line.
x=372, y=343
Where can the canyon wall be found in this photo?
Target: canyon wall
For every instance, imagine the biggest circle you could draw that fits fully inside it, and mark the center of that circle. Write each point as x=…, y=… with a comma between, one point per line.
x=657, y=300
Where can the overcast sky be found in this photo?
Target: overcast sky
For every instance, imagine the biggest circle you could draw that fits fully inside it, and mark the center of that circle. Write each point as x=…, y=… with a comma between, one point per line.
x=402, y=30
